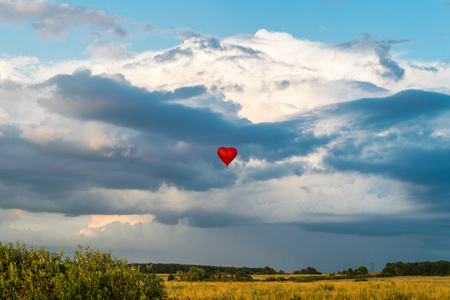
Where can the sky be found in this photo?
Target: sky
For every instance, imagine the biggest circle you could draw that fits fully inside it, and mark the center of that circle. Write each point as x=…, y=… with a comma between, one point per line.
x=111, y=114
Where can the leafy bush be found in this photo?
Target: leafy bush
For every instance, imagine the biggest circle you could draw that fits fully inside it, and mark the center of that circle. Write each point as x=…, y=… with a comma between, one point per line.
x=170, y=277
x=39, y=274
x=270, y=279
x=242, y=276
x=195, y=274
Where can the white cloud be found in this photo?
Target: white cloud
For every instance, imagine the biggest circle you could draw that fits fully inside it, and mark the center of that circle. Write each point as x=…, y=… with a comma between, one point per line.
x=51, y=20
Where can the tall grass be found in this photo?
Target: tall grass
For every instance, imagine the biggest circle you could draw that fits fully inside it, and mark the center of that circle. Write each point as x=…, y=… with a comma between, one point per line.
x=392, y=289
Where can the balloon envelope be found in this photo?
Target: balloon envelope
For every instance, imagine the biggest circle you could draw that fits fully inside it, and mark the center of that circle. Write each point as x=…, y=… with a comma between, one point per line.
x=227, y=154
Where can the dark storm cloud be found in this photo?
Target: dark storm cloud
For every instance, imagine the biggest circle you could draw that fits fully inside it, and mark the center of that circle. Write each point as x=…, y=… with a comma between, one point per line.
x=382, y=113
x=118, y=103
x=204, y=219
x=55, y=173
x=382, y=225
x=409, y=152
x=56, y=176
x=274, y=171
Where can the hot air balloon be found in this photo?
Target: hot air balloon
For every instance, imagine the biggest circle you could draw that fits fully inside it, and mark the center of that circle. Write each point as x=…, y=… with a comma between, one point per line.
x=227, y=154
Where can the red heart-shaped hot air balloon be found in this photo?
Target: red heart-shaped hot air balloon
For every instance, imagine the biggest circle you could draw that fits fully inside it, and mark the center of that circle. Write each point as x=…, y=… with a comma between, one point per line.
x=227, y=154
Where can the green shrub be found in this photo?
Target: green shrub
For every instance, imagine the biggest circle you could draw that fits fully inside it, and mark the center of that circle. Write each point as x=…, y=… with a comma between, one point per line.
x=242, y=276
x=270, y=279
x=170, y=277
x=39, y=274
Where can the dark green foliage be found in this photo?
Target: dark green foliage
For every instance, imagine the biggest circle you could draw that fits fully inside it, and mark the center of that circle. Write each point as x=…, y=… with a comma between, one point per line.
x=270, y=279
x=426, y=268
x=350, y=272
x=308, y=279
x=362, y=270
x=198, y=274
x=170, y=277
x=308, y=270
x=39, y=274
x=242, y=276
x=160, y=268
x=267, y=271
x=195, y=274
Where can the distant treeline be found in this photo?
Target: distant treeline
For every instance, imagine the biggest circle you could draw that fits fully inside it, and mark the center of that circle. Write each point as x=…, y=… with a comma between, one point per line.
x=392, y=269
x=426, y=268
x=160, y=268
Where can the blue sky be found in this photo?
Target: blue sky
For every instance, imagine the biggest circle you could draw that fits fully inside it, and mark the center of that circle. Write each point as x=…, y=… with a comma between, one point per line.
x=111, y=115
x=424, y=25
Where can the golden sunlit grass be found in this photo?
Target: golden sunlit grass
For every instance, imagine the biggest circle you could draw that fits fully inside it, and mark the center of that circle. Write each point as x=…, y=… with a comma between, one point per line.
x=433, y=288
x=263, y=277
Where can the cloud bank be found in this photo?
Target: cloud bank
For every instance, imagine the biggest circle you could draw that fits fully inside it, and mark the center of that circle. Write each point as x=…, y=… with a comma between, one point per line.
x=332, y=139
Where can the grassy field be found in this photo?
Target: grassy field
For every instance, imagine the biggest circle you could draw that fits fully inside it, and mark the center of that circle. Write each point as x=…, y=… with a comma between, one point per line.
x=432, y=288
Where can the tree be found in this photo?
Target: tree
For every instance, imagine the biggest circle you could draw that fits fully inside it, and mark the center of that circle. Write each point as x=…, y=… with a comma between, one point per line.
x=350, y=272
x=195, y=274
x=267, y=271
x=296, y=272
x=311, y=270
x=208, y=274
x=242, y=276
x=181, y=275
x=170, y=277
x=362, y=270
x=399, y=271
